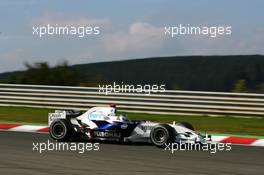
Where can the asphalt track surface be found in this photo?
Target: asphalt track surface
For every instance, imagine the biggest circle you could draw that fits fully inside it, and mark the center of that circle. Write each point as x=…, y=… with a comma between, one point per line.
x=17, y=157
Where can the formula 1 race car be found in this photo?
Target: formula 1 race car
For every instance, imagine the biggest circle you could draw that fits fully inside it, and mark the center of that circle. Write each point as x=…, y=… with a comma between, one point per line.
x=102, y=123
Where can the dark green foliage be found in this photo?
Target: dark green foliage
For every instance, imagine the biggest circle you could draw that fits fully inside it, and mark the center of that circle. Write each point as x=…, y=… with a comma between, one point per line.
x=210, y=73
x=240, y=86
x=42, y=73
x=213, y=73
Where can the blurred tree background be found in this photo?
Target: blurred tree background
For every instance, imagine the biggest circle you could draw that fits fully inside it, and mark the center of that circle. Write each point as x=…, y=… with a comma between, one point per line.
x=204, y=73
x=240, y=86
x=43, y=74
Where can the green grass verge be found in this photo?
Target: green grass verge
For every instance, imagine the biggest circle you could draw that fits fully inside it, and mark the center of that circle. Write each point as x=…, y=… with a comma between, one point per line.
x=226, y=124
x=24, y=115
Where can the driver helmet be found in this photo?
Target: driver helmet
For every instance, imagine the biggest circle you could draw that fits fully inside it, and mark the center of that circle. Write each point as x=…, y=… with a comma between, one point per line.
x=113, y=106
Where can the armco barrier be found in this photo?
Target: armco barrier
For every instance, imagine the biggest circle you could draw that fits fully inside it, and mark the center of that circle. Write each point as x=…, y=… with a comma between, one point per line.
x=169, y=102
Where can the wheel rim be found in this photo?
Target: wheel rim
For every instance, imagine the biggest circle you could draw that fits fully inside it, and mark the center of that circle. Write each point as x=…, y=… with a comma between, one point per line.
x=58, y=130
x=160, y=136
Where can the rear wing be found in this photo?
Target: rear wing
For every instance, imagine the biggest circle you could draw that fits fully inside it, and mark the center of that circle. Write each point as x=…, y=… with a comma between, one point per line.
x=58, y=114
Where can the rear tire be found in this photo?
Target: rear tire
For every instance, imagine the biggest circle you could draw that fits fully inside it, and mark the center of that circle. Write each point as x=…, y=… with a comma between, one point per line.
x=162, y=134
x=60, y=130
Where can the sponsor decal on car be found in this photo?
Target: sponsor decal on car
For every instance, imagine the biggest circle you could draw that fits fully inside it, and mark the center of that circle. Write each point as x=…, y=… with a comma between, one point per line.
x=124, y=126
x=107, y=134
x=146, y=128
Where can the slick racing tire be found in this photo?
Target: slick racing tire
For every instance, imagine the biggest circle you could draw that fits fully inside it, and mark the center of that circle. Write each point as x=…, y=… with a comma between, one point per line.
x=186, y=125
x=162, y=134
x=60, y=130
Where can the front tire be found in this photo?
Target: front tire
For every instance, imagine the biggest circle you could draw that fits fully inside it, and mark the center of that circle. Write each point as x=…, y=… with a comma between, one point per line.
x=162, y=134
x=59, y=130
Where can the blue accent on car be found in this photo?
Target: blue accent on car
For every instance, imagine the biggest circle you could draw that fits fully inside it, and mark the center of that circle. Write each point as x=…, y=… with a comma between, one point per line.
x=116, y=126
